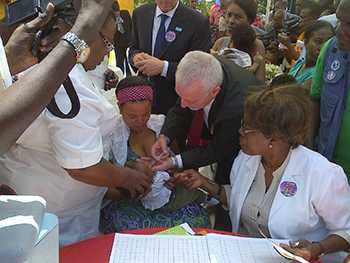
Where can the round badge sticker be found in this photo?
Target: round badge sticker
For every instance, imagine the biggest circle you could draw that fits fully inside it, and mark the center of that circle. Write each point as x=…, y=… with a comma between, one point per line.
x=288, y=189
x=330, y=75
x=335, y=65
x=170, y=36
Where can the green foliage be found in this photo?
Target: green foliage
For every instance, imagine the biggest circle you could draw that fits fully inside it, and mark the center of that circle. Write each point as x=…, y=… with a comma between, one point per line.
x=262, y=6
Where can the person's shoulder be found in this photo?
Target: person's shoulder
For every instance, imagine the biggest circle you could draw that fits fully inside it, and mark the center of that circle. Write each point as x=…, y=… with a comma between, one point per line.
x=238, y=75
x=144, y=9
x=316, y=165
x=192, y=13
x=244, y=160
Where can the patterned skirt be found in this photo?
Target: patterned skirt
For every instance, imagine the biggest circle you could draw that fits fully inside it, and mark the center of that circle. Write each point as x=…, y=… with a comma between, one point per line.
x=127, y=215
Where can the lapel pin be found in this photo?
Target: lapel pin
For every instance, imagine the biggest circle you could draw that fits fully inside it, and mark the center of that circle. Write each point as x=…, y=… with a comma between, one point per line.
x=330, y=75
x=335, y=65
x=170, y=36
x=288, y=188
x=178, y=29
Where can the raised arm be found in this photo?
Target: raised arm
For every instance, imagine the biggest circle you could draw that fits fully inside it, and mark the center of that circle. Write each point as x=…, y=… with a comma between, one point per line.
x=25, y=99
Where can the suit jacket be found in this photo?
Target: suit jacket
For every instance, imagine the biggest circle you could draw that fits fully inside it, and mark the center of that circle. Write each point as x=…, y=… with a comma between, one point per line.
x=224, y=121
x=192, y=33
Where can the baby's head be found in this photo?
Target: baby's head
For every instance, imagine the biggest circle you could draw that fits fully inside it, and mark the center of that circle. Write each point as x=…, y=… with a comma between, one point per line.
x=135, y=97
x=243, y=37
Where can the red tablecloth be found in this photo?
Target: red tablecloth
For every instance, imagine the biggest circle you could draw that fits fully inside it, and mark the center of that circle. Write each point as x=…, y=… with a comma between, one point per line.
x=98, y=250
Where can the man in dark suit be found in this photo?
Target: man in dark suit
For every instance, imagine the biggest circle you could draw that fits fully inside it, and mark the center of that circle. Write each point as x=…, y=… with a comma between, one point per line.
x=215, y=88
x=162, y=34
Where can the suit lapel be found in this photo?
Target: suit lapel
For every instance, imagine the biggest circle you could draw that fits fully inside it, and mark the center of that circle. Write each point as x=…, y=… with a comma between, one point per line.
x=148, y=22
x=175, y=24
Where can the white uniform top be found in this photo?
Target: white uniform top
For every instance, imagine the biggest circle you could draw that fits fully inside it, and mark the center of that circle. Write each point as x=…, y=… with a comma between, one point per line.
x=34, y=165
x=315, y=205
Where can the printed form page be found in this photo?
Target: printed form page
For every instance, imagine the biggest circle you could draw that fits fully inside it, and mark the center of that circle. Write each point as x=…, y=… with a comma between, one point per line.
x=231, y=249
x=193, y=249
x=159, y=249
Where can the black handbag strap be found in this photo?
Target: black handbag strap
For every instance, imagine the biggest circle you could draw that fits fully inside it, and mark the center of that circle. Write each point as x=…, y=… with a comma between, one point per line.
x=74, y=99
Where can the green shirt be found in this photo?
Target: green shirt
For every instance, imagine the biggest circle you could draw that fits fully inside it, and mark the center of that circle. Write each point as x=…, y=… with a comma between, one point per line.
x=341, y=153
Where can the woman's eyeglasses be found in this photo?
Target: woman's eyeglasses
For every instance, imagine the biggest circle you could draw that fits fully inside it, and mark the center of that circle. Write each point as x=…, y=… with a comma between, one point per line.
x=109, y=45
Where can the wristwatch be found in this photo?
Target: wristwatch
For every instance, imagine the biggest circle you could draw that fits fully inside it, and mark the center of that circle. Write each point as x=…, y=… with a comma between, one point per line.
x=81, y=48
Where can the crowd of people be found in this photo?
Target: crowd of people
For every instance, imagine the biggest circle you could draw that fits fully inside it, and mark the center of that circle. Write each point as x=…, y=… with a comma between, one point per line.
x=238, y=115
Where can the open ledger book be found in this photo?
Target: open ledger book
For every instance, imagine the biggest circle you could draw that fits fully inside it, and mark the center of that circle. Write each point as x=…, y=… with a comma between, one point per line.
x=212, y=248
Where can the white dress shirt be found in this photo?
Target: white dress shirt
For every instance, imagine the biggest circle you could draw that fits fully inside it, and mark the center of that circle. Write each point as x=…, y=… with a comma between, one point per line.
x=156, y=24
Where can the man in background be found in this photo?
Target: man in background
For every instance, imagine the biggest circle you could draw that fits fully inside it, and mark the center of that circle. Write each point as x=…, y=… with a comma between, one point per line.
x=162, y=34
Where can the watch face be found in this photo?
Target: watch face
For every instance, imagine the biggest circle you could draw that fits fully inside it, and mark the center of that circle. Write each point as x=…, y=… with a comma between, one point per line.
x=84, y=55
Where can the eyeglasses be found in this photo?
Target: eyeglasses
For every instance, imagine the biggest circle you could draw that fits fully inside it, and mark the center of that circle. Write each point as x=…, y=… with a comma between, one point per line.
x=244, y=131
x=109, y=45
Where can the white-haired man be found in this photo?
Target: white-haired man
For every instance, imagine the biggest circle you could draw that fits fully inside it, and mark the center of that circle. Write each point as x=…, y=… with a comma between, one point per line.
x=212, y=92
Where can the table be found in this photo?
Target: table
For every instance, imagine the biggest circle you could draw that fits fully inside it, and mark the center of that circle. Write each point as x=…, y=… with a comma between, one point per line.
x=98, y=250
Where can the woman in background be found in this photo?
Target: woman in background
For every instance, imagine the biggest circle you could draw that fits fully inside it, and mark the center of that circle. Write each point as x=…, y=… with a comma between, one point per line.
x=241, y=12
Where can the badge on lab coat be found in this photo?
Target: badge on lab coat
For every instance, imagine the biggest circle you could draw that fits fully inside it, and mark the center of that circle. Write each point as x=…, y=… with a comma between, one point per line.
x=288, y=188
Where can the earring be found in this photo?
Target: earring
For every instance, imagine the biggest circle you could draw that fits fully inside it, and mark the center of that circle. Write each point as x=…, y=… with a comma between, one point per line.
x=270, y=146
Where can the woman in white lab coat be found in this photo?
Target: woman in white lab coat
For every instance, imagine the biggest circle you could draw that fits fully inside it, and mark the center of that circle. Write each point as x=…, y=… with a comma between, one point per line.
x=64, y=160
x=279, y=188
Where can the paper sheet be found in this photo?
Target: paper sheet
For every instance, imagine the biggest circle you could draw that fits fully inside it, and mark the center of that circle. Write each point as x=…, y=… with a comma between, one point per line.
x=192, y=249
x=159, y=249
x=227, y=249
